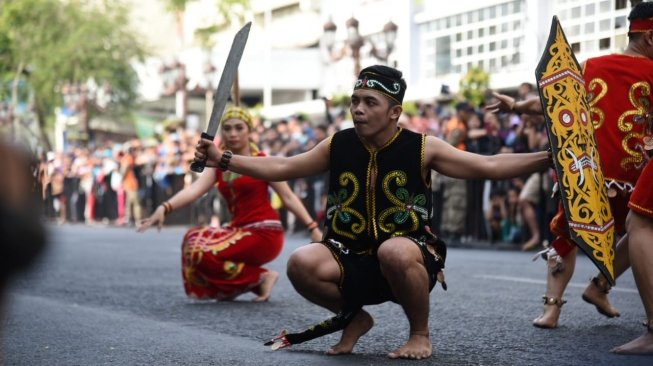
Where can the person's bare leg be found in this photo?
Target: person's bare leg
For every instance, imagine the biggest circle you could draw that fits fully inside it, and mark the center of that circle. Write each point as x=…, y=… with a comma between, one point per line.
x=315, y=274
x=264, y=290
x=403, y=266
x=528, y=212
x=640, y=231
x=555, y=288
x=596, y=293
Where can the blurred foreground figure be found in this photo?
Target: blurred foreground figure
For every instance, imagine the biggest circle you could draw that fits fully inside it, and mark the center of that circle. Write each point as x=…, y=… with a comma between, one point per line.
x=22, y=235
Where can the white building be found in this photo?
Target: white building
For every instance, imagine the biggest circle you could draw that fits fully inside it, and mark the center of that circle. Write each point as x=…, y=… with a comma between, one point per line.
x=507, y=37
x=286, y=68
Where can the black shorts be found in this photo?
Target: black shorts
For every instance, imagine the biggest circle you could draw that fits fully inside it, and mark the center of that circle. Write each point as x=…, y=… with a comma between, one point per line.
x=361, y=280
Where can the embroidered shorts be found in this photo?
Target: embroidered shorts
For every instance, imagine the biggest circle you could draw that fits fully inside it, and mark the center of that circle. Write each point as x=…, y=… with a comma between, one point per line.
x=361, y=280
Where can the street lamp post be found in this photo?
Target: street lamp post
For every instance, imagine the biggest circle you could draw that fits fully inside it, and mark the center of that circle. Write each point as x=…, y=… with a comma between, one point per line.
x=355, y=42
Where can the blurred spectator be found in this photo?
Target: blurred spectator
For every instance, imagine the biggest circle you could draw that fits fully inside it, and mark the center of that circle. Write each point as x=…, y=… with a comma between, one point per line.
x=454, y=205
x=130, y=185
x=496, y=214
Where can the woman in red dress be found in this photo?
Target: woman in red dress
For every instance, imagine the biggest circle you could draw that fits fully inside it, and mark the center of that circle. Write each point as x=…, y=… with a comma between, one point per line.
x=224, y=262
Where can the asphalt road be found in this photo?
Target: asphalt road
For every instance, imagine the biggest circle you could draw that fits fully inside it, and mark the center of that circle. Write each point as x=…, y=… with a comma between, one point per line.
x=110, y=296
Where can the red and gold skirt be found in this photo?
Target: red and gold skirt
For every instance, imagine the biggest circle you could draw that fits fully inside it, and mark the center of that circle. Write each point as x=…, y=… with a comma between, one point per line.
x=222, y=263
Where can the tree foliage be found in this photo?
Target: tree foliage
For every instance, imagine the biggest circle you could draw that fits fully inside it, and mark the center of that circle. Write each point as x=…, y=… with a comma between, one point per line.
x=474, y=85
x=228, y=10
x=68, y=41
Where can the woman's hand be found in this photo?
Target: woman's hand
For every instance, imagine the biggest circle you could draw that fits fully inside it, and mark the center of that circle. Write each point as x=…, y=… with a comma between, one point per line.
x=157, y=218
x=316, y=235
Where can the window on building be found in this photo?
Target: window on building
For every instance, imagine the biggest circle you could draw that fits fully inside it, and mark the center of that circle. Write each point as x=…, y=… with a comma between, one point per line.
x=575, y=12
x=470, y=50
x=493, y=46
x=604, y=25
x=620, y=22
x=504, y=44
x=493, y=30
x=459, y=20
x=516, y=7
x=493, y=12
x=470, y=66
x=516, y=42
x=604, y=6
x=504, y=9
x=516, y=25
x=516, y=58
x=481, y=65
x=481, y=32
x=459, y=37
x=470, y=34
x=589, y=28
x=574, y=31
x=621, y=41
x=481, y=14
x=458, y=69
x=604, y=43
x=504, y=27
x=443, y=55
x=589, y=46
x=590, y=9
x=459, y=52
x=564, y=14
x=493, y=65
x=481, y=48
x=470, y=18
x=575, y=47
x=448, y=23
x=504, y=61
x=620, y=4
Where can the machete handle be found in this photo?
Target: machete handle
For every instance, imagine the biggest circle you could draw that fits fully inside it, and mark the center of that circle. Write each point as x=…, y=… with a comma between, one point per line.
x=198, y=166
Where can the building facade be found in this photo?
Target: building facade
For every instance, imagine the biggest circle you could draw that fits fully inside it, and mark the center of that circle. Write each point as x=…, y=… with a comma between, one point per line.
x=287, y=68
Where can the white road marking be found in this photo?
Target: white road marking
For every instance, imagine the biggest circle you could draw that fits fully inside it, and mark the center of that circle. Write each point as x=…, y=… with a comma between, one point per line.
x=541, y=282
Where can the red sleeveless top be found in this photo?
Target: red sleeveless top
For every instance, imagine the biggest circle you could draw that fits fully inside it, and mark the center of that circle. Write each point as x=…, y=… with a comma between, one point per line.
x=248, y=198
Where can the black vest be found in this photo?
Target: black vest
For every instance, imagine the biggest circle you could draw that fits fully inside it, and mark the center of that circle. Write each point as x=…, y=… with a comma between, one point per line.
x=362, y=214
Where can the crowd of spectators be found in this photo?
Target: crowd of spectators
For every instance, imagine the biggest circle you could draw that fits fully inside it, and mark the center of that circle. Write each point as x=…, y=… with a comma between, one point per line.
x=118, y=183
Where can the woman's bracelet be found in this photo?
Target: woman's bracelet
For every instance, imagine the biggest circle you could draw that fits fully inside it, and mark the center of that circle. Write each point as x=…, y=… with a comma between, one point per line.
x=167, y=207
x=312, y=226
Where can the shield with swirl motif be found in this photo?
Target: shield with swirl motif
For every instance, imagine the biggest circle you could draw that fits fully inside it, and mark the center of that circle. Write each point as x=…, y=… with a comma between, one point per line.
x=580, y=179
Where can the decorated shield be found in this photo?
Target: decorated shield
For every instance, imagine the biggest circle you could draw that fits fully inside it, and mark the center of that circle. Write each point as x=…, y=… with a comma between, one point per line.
x=580, y=179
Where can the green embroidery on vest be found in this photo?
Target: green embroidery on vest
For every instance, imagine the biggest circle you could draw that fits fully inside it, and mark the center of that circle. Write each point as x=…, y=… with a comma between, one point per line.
x=339, y=210
x=407, y=206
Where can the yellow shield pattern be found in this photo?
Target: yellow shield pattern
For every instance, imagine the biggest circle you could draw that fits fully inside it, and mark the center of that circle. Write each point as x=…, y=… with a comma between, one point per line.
x=576, y=157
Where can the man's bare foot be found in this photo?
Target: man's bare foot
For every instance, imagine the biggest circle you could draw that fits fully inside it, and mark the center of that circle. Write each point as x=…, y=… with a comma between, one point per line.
x=264, y=290
x=642, y=345
x=418, y=347
x=360, y=325
x=598, y=297
x=549, y=317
